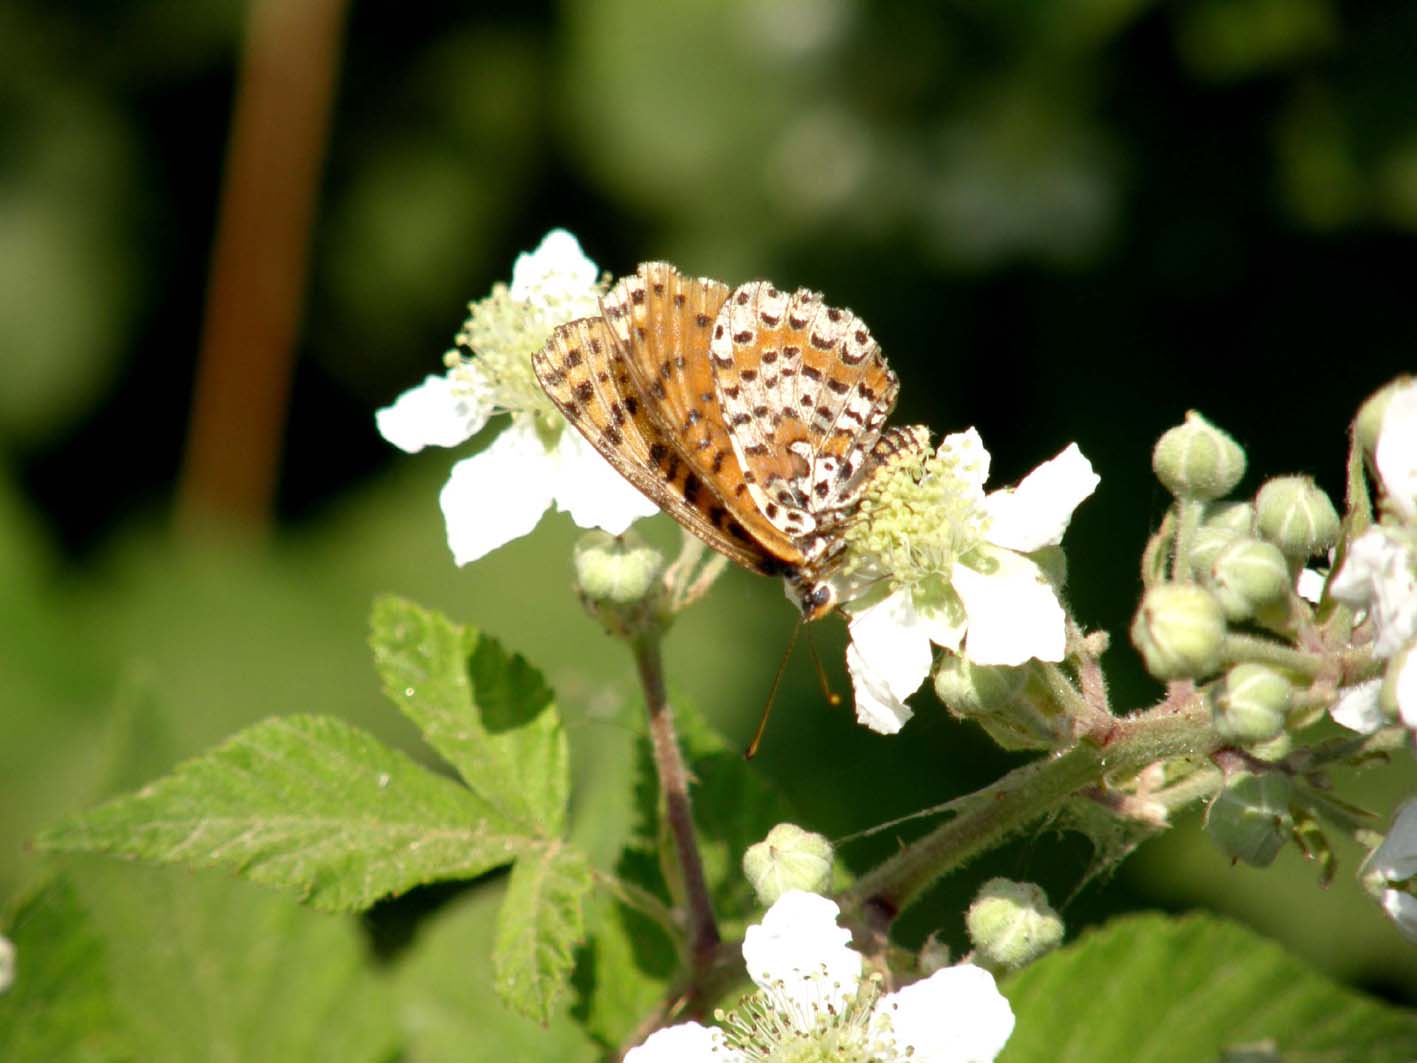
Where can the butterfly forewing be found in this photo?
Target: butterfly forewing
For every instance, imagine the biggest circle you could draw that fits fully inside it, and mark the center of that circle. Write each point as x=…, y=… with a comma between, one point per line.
x=585, y=372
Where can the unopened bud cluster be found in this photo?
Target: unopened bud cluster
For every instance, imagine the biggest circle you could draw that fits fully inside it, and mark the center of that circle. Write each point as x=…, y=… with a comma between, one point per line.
x=1232, y=562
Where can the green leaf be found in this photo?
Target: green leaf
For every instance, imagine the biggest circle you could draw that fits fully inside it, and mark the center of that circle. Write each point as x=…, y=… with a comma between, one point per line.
x=447, y=1000
x=206, y=968
x=1152, y=988
x=489, y=714
x=305, y=802
x=60, y=1007
x=623, y=971
x=538, y=928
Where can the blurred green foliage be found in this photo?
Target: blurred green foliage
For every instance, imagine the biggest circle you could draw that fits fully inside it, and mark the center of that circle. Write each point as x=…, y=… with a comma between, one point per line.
x=1064, y=221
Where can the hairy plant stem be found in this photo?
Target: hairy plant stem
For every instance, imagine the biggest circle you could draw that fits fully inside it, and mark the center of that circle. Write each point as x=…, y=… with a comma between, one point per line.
x=1179, y=726
x=674, y=783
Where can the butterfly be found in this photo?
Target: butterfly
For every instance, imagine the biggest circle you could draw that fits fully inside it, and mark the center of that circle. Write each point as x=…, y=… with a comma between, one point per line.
x=751, y=416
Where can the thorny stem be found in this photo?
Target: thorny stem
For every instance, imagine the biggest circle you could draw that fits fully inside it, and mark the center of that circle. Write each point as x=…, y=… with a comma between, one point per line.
x=1179, y=726
x=674, y=782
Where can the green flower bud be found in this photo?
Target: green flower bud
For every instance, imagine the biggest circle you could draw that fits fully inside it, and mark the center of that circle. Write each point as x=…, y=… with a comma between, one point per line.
x=1206, y=545
x=969, y=689
x=1248, y=574
x=1369, y=421
x=1012, y=924
x=1012, y=704
x=789, y=858
x=1253, y=703
x=1179, y=630
x=1250, y=819
x=1294, y=514
x=1197, y=460
x=617, y=570
x=1237, y=516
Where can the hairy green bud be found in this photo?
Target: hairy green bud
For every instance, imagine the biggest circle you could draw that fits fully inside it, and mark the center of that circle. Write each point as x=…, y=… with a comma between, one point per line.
x=789, y=858
x=1294, y=513
x=1248, y=574
x=1253, y=703
x=1196, y=460
x=1179, y=630
x=1012, y=924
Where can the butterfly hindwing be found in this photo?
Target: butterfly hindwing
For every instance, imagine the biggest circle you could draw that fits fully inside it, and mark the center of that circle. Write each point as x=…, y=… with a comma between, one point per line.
x=806, y=391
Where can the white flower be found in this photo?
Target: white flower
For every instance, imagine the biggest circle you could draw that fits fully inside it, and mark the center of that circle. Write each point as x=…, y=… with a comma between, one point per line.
x=1358, y=707
x=812, y=1004
x=500, y=494
x=1379, y=575
x=1395, y=454
x=934, y=560
x=1392, y=867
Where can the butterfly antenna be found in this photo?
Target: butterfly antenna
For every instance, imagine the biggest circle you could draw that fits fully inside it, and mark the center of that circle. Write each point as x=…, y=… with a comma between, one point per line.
x=752, y=750
x=832, y=697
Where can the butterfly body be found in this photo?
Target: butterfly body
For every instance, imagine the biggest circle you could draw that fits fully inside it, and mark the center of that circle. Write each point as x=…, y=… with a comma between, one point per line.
x=752, y=416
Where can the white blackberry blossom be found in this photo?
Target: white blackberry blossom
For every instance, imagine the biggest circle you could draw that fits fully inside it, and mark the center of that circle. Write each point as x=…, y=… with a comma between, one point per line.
x=813, y=1005
x=500, y=493
x=934, y=560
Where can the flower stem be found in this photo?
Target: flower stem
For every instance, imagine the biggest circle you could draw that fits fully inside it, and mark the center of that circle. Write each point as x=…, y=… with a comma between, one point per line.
x=1191, y=510
x=674, y=782
x=1176, y=727
x=1240, y=648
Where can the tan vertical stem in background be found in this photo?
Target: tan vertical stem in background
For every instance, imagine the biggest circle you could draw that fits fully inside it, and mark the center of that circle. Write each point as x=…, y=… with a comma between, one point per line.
x=255, y=295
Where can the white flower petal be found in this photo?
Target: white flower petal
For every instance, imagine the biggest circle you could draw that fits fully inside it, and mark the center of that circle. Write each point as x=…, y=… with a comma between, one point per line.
x=1310, y=586
x=1406, y=688
x=876, y=707
x=967, y=456
x=688, y=1042
x=558, y=265
x=1402, y=908
x=7, y=963
x=1396, y=452
x=957, y=1015
x=1014, y=615
x=801, y=958
x=889, y=658
x=1395, y=860
x=433, y=414
x=1358, y=707
x=1035, y=514
x=591, y=491
x=498, y=495
x=1380, y=574
x=892, y=639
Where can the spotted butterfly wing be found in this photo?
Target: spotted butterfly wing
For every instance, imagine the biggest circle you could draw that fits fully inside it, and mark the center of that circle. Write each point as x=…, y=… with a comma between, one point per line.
x=584, y=370
x=665, y=321
x=805, y=393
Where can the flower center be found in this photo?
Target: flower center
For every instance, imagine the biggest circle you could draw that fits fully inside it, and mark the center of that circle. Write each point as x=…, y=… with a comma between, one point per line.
x=778, y=1026
x=920, y=513
x=494, y=347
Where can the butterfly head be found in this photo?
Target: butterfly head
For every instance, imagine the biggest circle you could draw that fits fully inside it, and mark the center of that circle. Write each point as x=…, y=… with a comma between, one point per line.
x=814, y=598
